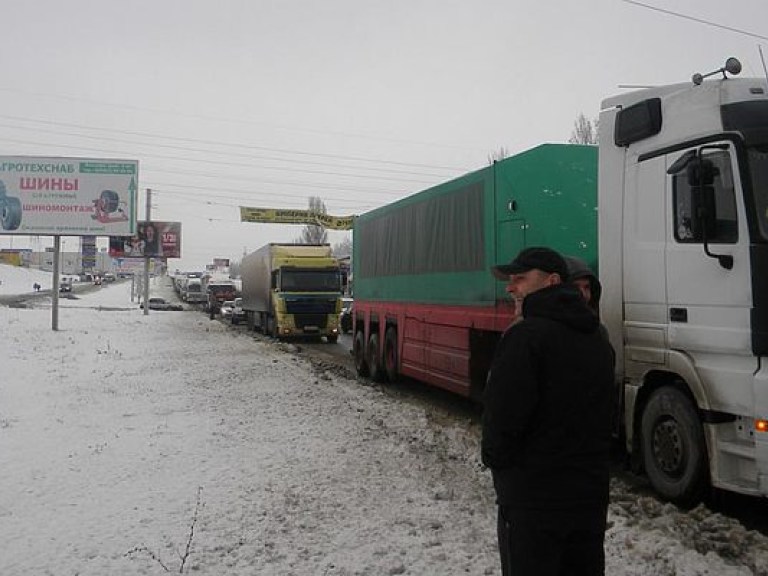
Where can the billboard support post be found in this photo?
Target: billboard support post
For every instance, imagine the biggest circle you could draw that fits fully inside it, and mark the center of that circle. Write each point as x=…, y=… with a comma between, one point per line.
x=55, y=295
x=146, y=258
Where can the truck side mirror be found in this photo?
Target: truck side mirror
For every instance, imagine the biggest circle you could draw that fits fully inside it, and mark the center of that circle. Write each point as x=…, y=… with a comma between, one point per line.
x=701, y=177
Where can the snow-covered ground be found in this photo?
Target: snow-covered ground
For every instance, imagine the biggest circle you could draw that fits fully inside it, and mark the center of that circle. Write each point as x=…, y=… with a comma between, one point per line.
x=133, y=444
x=18, y=280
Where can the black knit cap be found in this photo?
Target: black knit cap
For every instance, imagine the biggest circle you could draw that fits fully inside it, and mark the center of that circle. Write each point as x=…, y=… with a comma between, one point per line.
x=534, y=258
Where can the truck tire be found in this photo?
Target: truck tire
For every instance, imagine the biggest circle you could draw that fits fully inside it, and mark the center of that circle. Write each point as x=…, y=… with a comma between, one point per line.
x=673, y=447
x=10, y=212
x=374, y=359
x=358, y=351
x=271, y=326
x=390, y=354
x=110, y=201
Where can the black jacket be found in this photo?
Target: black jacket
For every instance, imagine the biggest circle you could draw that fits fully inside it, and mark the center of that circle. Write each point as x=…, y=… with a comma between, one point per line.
x=547, y=407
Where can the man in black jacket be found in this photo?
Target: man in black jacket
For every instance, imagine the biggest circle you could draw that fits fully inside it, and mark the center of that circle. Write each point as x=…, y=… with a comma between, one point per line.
x=547, y=424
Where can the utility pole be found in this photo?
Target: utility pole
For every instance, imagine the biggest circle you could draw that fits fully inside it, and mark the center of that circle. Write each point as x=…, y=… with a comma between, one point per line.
x=55, y=295
x=147, y=257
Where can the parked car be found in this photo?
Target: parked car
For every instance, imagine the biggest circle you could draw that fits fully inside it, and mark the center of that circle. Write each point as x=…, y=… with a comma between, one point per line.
x=65, y=285
x=238, y=314
x=345, y=318
x=156, y=303
x=109, y=277
x=226, y=309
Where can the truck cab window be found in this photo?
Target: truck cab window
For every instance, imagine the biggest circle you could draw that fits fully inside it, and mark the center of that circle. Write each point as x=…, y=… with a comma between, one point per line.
x=758, y=169
x=716, y=197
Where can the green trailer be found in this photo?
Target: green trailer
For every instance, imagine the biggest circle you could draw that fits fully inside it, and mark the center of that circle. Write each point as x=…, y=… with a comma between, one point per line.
x=426, y=304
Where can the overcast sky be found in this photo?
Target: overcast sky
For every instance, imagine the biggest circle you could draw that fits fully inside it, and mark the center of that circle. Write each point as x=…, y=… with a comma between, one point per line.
x=360, y=102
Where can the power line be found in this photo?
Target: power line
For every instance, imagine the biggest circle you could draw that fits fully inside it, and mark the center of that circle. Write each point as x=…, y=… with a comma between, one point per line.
x=239, y=121
x=205, y=151
x=240, y=164
x=208, y=175
x=694, y=19
x=162, y=191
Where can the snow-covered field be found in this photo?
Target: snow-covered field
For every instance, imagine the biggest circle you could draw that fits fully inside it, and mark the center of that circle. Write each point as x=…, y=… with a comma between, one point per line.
x=18, y=280
x=133, y=444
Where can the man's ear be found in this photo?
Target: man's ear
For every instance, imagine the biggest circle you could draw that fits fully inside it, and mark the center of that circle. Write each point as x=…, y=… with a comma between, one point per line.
x=554, y=279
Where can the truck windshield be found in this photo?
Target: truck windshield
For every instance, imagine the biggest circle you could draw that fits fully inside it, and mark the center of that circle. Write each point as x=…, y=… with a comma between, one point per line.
x=758, y=168
x=310, y=281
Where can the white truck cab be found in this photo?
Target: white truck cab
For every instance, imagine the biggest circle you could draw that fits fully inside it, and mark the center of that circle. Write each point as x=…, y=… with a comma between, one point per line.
x=683, y=256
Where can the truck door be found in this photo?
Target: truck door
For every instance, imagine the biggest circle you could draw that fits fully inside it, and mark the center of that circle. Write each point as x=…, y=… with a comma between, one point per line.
x=709, y=294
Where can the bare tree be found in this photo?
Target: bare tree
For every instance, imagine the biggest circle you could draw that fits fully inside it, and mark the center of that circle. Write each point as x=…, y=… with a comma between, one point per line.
x=343, y=248
x=314, y=233
x=584, y=131
x=497, y=155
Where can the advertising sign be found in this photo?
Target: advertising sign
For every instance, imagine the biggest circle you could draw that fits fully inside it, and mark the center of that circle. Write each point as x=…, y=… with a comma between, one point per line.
x=67, y=196
x=152, y=238
x=133, y=266
x=279, y=216
x=88, y=248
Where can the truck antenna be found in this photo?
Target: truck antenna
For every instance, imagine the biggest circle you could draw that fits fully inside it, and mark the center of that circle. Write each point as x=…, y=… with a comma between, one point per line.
x=732, y=66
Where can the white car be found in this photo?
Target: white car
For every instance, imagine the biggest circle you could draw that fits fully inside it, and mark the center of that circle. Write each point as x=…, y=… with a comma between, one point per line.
x=226, y=309
x=238, y=314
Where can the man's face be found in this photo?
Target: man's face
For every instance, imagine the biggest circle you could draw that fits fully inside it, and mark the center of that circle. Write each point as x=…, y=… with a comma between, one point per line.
x=520, y=285
x=585, y=288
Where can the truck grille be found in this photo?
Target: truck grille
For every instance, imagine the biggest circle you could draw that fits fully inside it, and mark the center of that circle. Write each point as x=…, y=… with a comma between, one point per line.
x=303, y=320
x=310, y=306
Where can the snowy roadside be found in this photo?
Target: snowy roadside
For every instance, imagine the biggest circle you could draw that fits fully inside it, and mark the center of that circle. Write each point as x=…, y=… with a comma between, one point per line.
x=132, y=442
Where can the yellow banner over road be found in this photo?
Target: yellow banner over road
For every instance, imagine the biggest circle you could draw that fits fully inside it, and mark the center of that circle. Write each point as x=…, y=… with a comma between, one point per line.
x=279, y=216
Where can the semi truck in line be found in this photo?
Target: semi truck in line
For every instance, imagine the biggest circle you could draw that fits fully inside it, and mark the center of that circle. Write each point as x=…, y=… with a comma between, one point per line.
x=217, y=291
x=192, y=291
x=677, y=225
x=292, y=290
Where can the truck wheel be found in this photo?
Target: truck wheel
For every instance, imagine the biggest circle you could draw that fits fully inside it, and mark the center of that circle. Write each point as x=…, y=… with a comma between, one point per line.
x=673, y=447
x=375, y=364
x=272, y=326
x=10, y=212
x=358, y=349
x=390, y=354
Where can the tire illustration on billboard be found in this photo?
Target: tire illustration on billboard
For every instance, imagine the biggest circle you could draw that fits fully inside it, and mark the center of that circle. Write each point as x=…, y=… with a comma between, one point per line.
x=108, y=208
x=10, y=210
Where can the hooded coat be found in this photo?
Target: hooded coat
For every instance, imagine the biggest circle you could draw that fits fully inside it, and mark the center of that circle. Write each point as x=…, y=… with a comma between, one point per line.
x=577, y=268
x=547, y=407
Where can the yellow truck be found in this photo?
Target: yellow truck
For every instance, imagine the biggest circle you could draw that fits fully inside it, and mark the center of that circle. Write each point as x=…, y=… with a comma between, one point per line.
x=292, y=290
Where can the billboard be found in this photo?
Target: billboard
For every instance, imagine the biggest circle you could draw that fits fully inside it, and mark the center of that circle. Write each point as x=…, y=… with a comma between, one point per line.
x=280, y=216
x=88, y=249
x=67, y=196
x=152, y=238
x=134, y=266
